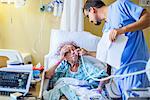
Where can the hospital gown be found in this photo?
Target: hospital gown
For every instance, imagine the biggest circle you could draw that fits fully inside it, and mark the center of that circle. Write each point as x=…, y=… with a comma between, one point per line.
x=81, y=79
x=122, y=13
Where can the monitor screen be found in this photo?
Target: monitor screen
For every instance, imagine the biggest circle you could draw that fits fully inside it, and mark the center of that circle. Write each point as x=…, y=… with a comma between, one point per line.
x=15, y=80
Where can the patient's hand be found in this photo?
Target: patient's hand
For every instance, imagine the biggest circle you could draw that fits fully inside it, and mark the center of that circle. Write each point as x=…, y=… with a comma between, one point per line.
x=101, y=85
x=49, y=74
x=82, y=51
x=64, y=51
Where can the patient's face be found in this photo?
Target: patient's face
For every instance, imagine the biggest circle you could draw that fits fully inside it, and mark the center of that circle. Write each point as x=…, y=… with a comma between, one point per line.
x=70, y=54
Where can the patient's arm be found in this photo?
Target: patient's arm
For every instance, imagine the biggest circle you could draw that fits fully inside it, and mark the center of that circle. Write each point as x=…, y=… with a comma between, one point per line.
x=83, y=51
x=51, y=71
x=91, y=53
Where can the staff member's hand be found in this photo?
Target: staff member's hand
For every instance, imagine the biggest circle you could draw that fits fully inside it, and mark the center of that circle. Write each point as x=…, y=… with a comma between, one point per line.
x=115, y=32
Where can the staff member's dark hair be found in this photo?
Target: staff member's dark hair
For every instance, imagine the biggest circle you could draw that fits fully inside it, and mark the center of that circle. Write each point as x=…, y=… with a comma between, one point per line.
x=93, y=3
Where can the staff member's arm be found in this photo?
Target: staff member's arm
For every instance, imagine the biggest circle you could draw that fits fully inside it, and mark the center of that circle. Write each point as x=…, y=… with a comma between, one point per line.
x=142, y=23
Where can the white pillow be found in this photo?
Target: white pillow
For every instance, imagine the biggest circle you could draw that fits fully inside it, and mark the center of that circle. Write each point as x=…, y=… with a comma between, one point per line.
x=83, y=39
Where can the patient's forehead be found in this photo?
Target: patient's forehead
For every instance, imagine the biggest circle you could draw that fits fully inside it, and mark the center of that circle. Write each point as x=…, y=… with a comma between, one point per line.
x=68, y=46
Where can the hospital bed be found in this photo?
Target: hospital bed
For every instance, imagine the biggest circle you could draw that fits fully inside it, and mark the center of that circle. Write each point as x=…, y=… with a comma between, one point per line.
x=83, y=39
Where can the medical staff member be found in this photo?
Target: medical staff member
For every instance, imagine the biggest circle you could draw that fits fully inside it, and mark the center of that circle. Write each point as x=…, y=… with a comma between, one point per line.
x=124, y=17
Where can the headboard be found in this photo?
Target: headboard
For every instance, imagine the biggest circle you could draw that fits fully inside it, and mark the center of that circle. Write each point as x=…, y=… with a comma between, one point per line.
x=83, y=39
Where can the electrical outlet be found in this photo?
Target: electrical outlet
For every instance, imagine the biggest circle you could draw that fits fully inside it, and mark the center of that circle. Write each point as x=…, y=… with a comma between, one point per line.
x=46, y=8
x=43, y=7
x=145, y=2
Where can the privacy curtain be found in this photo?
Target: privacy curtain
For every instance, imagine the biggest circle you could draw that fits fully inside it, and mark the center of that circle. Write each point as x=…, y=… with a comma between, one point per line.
x=72, y=16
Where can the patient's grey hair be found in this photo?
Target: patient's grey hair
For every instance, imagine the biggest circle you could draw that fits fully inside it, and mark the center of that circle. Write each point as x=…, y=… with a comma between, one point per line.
x=66, y=43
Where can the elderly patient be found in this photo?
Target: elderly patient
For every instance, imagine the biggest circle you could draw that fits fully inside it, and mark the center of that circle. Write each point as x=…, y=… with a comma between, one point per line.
x=70, y=76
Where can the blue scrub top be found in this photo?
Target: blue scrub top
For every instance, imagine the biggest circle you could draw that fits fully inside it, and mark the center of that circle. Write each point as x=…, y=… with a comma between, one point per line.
x=120, y=14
